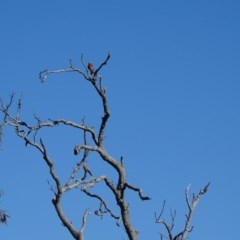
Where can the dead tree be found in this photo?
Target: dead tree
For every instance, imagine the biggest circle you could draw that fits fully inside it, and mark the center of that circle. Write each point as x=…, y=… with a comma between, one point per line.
x=29, y=133
x=92, y=142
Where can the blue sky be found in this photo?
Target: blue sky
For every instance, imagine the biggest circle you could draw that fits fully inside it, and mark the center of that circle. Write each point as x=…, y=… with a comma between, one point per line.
x=173, y=89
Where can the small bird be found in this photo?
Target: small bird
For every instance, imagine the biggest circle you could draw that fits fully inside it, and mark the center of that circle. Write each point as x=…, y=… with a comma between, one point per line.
x=90, y=67
x=86, y=171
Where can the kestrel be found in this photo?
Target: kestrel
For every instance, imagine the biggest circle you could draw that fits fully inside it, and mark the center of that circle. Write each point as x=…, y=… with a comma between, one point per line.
x=86, y=169
x=90, y=67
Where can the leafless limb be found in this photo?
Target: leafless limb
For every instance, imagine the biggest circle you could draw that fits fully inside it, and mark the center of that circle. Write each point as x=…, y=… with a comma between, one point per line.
x=84, y=223
x=182, y=235
x=161, y=213
x=44, y=74
x=191, y=206
x=102, y=64
x=137, y=190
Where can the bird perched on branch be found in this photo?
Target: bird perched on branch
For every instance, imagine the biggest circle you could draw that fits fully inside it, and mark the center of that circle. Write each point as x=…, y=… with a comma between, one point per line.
x=86, y=171
x=90, y=67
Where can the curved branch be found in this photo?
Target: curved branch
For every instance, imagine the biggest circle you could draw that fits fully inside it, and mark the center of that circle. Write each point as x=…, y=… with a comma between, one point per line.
x=45, y=73
x=137, y=190
x=81, y=126
x=77, y=149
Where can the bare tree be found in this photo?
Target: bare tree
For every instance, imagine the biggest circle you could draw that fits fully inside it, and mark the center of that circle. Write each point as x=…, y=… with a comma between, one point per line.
x=92, y=142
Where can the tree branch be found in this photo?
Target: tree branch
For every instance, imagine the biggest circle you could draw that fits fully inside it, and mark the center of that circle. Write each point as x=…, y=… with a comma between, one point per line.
x=137, y=190
x=84, y=223
x=182, y=235
x=191, y=207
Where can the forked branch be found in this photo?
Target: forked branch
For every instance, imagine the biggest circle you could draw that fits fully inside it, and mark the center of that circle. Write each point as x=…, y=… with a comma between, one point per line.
x=182, y=235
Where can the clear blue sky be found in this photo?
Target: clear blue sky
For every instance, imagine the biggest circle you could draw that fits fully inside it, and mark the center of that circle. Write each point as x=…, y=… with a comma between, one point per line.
x=173, y=88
